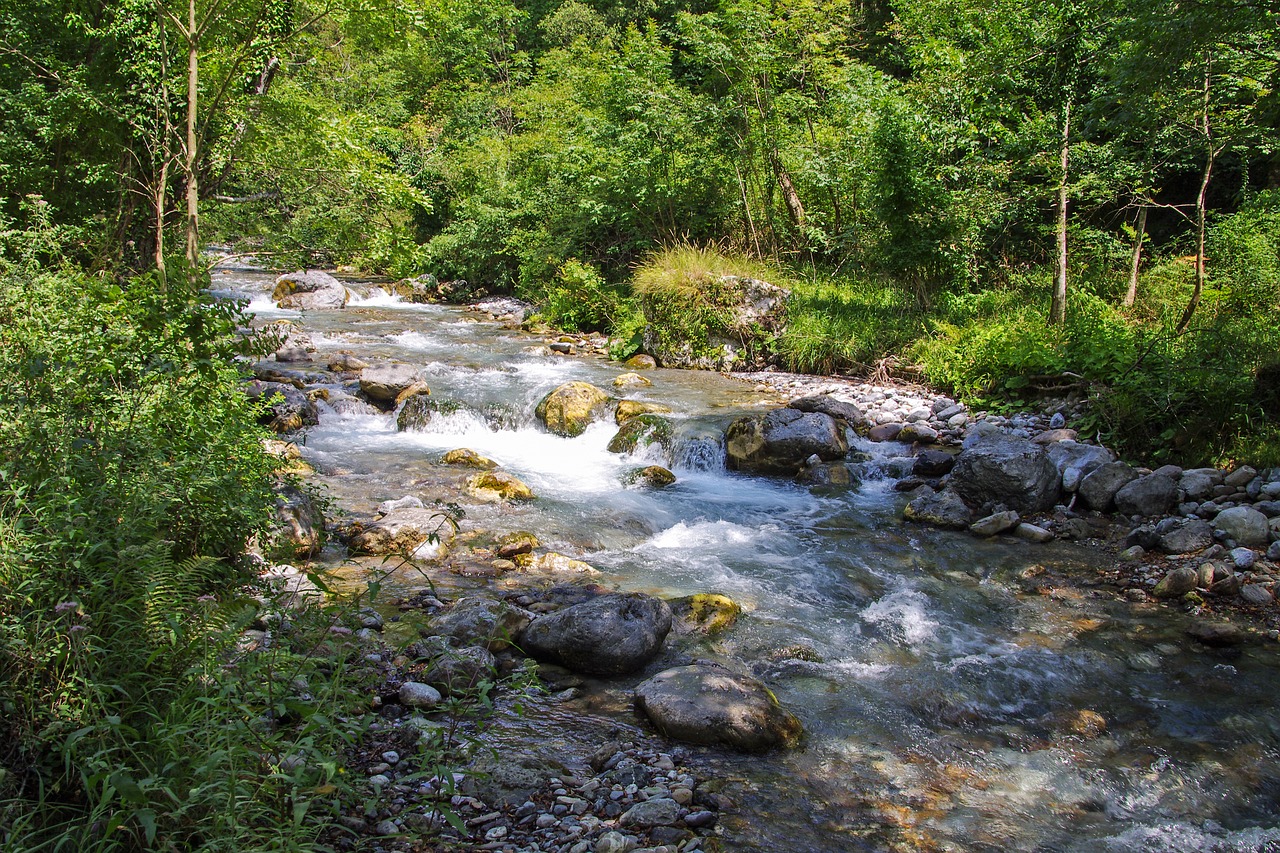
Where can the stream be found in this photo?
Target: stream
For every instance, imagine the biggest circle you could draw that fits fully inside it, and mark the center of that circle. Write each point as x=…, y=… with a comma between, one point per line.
x=948, y=705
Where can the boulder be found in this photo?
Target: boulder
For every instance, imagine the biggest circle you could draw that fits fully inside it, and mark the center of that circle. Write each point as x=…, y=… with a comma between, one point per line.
x=828, y=405
x=933, y=463
x=740, y=317
x=1199, y=483
x=570, y=409
x=384, y=383
x=780, y=441
x=553, y=563
x=285, y=408
x=1243, y=524
x=884, y=432
x=415, y=694
x=819, y=473
x=640, y=361
x=1009, y=471
x=479, y=621
x=1177, y=583
x=628, y=409
x=299, y=522
x=309, y=290
x=918, y=432
x=630, y=380
x=1032, y=533
x=402, y=531
x=1153, y=494
x=1075, y=461
x=1098, y=488
x=498, y=486
x=345, y=362
x=513, y=544
x=705, y=613
x=640, y=432
x=468, y=458
x=995, y=524
x=461, y=670
x=941, y=509
x=609, y=635
x=1187, y=536
x=419, y=410
x=707, y=704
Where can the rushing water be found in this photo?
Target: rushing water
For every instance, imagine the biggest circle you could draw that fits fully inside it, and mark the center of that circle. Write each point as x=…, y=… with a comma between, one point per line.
x=950, y=710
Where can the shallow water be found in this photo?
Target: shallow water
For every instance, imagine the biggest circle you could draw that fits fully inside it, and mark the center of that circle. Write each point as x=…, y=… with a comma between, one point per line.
x=945, y=713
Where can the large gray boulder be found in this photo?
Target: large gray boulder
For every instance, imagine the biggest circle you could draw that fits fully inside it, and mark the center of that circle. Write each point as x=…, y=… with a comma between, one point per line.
x=780, y=441
x=1198, y=483
x=1153, y=494
x=708, y=704
x=610, y=635
x=1004, y=470
x=481, y=621
x=385, y=382
x=1185, y=536
x=1098, y=489
x=1244, y=525
x=307, y=290
x=1076, y=461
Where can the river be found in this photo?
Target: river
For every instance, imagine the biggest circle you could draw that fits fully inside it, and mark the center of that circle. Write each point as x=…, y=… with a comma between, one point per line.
x=950, y=704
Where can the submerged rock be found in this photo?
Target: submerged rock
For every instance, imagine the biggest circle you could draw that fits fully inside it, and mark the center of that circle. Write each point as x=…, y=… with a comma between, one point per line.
x=610, y=635
x=781, y=441
x=708, y=704
x=652, y=476
x=941, y=509
x=570, y=409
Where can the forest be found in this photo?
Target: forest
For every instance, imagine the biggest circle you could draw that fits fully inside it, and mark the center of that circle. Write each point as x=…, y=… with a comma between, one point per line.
x=1012, y=202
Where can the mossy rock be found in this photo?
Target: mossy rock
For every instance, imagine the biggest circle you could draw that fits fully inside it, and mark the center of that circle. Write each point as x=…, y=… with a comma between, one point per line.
x=467, y=457
x=641, y=431
x=498, y=486
x=630, y=380
x=514, y=544
x=653, y=477
x=570, y=409
x=419, y=409
x=628, y=409
x=706, y=613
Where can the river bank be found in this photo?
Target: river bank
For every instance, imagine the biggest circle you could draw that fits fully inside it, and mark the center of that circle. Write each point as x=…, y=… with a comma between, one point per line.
x=951, y=685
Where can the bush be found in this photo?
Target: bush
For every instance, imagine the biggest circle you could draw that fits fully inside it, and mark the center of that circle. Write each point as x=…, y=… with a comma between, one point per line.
x=579, y=299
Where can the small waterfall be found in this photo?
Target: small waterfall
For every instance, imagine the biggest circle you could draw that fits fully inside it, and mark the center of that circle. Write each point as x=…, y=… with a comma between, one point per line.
x=703, y=451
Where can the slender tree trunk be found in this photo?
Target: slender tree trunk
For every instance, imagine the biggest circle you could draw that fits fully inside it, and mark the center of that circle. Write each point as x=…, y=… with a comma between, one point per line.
x=1131, y=294
x=162, y=181
x=192, y=152
x=1058, y=308
x=1211, y=155
x=795, y=208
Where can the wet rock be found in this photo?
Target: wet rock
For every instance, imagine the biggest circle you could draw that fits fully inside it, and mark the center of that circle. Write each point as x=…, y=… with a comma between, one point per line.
x=818, y=473
x=401, y=532
x=468, y=458
x=553, y=563
x=995, y=523
x=1009, y=471
x=918, y=433
x=461, y=670
x=1146, y=496
x=941, y=509
x=345, y=362
x=708, y=704
x=477, y=620
x=309, y=290
x=933, y=463
x=1098, y=489
x=628, y=409
x=384, y=383
x=705, y=613
x=642, y=431
x=652, y=477
x=1244, y=525
x=780, y=441
x=884, y=432
x=516, y=543
x=1087, y=723
x=1177, y=583
x=630, y=380
x=299, y=522
x=828, y=405
x=1216, y=634
x=414, y=694
x=497, y=487
x=570, y=409
x=419, y=410
x=609, y=635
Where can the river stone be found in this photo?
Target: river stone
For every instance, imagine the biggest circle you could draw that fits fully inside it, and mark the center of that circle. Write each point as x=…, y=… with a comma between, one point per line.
x=516, y=543
x=828, y=405
x=1075, y=461
x=708, y=704
x=995, y=524
x=1198, y=483
x=1147, y=496
x=461, y=670
x=414, y=694
x=610, y=635
x=1216, y=634
x=640, y=361
x=401, y=532
x=1177, y=583
x=918, y=432
x=385, y=382
x=641, y=431
x=286, y=408
x=826, y=474
x=1032, y=533
x=308, y=290
x=1255, y=593
x=553, y=563
x=1186, y=537
x=1243, y=524
x=941, y=509
x=497, y=487
x=477, y=620
x=1098, y=489
x=1009, y=471
x=659, y=811
x=884, y=432
x=630, y=380
x=780, y=441
x=933, y=463
x=628, y=409
x=298, y=523
x=569, y=410
x=705, y=613
x=345, y=362
x=1240, y=477
x=468, y=458
x=651, y=477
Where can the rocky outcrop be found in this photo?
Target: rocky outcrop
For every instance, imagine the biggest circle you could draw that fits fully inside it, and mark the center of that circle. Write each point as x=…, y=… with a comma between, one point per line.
x=781, y=441
x=570, y=409
x=742, y=315
x=309, y=290
x=610, y=635
x=1012, y=472
x=708, y=704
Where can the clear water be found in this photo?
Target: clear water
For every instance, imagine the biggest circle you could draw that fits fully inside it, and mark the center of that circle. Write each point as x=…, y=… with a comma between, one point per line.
x=943, y=713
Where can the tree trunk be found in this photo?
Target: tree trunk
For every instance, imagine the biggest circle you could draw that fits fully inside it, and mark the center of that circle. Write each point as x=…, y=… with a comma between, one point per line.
x=161, y=185
x=1211, y=155
x=192, y=159
x=1131, y=294
x=795, y=208
x=1058, y=308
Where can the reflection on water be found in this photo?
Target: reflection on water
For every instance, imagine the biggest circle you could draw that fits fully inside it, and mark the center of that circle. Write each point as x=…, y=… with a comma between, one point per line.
x=946, y=709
